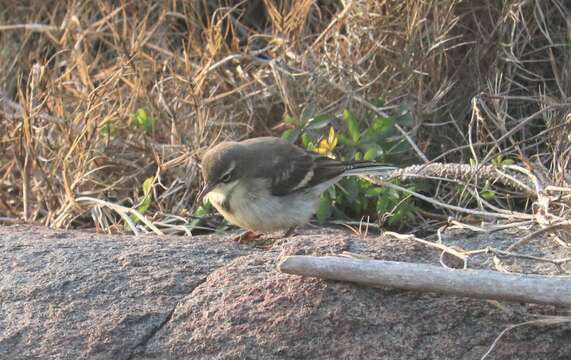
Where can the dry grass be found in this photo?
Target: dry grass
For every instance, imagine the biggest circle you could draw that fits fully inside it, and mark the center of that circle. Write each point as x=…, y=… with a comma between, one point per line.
x=481, y=78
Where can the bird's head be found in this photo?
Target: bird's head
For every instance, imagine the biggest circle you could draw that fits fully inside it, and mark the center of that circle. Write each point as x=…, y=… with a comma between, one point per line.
x=221, y=167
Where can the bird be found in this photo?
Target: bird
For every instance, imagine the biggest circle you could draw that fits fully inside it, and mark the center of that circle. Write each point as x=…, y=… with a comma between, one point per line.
x=266, y=184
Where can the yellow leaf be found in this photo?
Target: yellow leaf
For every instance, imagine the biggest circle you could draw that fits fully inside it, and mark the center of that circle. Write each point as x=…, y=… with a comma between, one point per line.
x=327, y=145
x=323, y=147
x=332, y=138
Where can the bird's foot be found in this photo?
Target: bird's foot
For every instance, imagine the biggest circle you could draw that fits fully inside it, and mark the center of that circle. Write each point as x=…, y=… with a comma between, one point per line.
x=289, y=232
x=275, y=239
x=258, y=240
x=247, y=236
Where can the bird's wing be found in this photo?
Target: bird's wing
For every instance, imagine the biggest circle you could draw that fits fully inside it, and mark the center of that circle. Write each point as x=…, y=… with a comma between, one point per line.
x=291, y=173
x=304, y=171
x=290, y=167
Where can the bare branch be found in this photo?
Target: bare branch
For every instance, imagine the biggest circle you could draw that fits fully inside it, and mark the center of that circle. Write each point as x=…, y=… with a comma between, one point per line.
x=483, y=284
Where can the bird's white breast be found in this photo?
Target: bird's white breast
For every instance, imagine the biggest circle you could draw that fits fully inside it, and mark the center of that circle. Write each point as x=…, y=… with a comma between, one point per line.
x=252, y=207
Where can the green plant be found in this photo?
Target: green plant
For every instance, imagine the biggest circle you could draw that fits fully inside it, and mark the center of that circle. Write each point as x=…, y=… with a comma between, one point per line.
x=201, y=215
x=143, y=120
x=354, y=197
x=487, y=192
x=144, y=203
x=106, y=133
x=499, y=161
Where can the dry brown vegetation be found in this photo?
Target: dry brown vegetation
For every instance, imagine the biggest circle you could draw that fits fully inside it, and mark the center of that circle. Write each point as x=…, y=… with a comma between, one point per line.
x=482, y=78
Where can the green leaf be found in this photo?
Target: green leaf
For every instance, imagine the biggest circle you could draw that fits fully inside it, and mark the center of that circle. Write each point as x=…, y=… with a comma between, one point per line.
x=352, y=126
x=373, y=152
x=148, y=185
x=291, y=135
x=305, y=139
x=325, y=209
x=206, y=202
x=351, y=186
x=400, y=147
x=144, y=205
x=105, y=132
x=393, y=195
x=290, y=120
x=507, y=162
x=488, y=194
x=498, y=160
x=383, y=125
x=364, y=186
x=126, y=227
x=405, y=118
x=143, y=120
x=318, y=122
x=141, y=117
x=338, y=214
x=345, y=141
x=374, y=192
x=395, y=218
x=383, y=205
x=332, y=193
x=307, y=112
x=370, y=155
x=378, y=102
x=201, y=211
x=403, y=215
x=351, y=190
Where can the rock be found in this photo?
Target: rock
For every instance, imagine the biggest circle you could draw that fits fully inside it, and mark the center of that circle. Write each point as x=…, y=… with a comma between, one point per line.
x=74, y=295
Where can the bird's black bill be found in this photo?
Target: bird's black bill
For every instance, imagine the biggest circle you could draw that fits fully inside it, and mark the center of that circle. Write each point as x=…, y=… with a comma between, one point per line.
x=205, y=190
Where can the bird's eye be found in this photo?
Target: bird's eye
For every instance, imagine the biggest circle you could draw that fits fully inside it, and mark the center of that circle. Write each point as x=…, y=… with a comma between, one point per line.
x=226, y=177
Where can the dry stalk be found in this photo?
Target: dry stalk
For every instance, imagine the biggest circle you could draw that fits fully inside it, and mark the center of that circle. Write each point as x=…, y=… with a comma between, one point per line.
x=231, y=69
x=467, y=173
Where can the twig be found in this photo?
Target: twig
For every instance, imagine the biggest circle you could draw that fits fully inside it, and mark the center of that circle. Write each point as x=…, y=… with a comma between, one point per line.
x=483, y=284
x=495, y=251
x=526, y=239
x=515, y=180
x=123, y=211
x=30, y=27
x=511, y=215
x=10, y=220
x=444, y=248
x=333, y=24
x=548, y=321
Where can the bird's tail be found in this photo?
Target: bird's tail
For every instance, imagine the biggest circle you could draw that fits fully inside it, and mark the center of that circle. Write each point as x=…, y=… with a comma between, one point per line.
x=366, y=168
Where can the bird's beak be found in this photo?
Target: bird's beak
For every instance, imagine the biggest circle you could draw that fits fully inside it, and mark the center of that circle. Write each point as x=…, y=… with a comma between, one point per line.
x=205, y=190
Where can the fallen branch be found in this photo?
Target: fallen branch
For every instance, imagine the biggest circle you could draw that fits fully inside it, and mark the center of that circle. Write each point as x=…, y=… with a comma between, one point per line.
x=507, y=175
x=483, y=284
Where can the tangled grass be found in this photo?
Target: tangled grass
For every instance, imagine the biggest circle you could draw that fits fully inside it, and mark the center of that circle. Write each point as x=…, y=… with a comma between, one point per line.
x=97, y=96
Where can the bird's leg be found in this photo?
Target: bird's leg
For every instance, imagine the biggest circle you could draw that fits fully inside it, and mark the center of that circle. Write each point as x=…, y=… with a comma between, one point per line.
x=267, y=244
x=289, y=232
x=247, y=236
x=250, y=236
x=255, y=239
